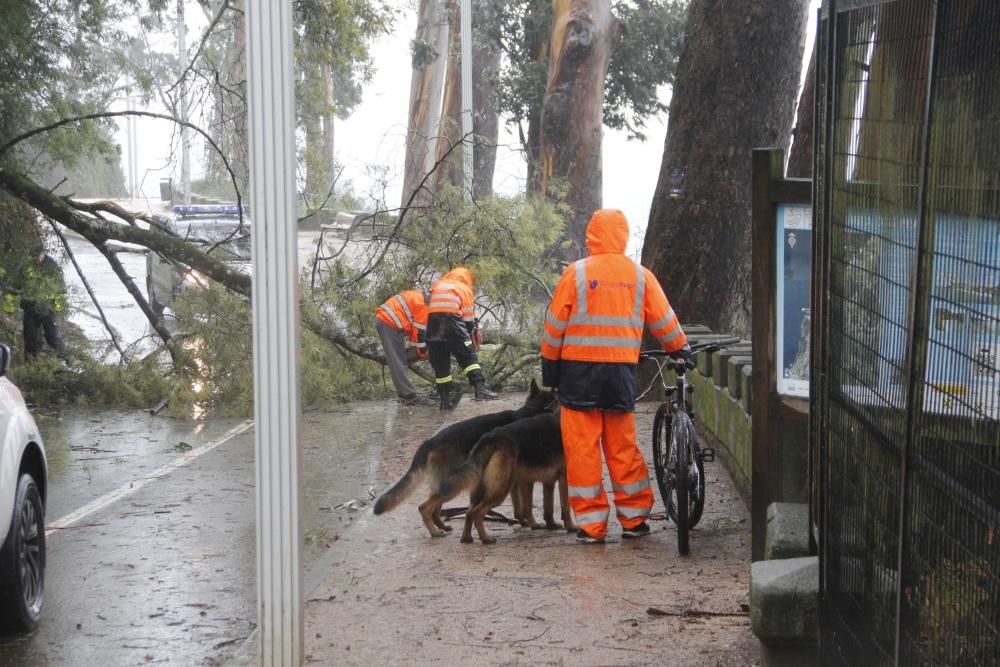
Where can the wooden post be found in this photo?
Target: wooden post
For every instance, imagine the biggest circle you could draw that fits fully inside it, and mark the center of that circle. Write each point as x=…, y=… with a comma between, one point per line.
x=771, y=414
x=767, y=165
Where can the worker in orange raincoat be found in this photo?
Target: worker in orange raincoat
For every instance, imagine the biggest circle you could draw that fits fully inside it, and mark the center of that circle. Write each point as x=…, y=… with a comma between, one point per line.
x=402, y=317
x=590, y=352
x=452, y=329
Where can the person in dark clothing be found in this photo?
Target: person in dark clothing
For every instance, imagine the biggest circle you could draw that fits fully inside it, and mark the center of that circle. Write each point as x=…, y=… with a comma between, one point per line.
x=452, y=330
x=43, y=299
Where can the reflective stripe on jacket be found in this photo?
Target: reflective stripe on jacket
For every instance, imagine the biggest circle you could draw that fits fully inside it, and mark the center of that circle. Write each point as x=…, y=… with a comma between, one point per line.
x=452, y=295
x=405, y=312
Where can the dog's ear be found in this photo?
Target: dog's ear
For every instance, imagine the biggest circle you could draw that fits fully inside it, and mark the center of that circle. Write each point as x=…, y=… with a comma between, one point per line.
x=533, y=391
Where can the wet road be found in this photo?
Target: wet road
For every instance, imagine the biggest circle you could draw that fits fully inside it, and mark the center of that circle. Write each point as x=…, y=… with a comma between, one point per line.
x=162, y=567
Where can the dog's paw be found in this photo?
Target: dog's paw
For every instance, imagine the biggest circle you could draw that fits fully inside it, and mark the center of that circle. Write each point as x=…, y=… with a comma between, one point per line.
x=489, y=539
x=466, y=539
x=446, y=528
x=552, y=525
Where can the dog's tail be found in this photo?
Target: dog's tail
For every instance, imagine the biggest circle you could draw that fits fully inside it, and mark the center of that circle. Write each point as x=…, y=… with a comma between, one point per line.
x=467, y=474
x=402, y=489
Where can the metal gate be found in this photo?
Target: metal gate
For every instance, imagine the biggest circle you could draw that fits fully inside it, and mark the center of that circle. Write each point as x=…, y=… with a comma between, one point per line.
x=905, y=434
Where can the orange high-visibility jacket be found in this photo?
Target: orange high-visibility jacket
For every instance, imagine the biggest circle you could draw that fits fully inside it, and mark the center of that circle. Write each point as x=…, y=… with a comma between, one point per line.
x=602, y=302
x=406, y=312
x=452, y=295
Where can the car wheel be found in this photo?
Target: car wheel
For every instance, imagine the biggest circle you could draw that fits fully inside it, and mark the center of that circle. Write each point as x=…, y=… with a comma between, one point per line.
x=22, y=559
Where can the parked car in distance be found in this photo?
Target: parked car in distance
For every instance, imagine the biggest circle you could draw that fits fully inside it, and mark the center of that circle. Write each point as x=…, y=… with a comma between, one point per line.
x=220, y=232
x=23, y=484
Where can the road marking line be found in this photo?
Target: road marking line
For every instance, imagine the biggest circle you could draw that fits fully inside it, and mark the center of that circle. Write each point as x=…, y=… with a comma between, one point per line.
x=127, y=489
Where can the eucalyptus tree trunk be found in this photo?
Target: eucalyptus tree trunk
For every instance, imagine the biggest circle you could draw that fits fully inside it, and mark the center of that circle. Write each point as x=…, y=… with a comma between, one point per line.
x=485, y=119
x=430, y=60
x=583, y=34
x=449, y=170
x=734, y=91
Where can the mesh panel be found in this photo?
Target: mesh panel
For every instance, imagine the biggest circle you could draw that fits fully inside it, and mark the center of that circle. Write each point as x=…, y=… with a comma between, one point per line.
x=910, y=437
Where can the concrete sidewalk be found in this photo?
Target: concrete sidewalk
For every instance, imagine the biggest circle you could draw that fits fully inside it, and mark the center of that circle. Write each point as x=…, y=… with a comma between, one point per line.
x=393, y=595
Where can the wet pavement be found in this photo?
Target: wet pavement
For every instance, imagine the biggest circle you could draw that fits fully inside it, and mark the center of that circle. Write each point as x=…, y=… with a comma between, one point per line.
x=162, y=570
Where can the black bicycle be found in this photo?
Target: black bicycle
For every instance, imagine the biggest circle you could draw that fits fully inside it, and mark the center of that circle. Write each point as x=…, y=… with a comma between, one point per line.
x=678, y=458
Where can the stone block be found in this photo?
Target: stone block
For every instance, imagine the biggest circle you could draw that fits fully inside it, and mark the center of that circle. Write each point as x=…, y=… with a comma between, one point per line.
x=746, y=392
x=784, y=601
x=695, y=329
x=734, y=366
x=787, y=534
x=720, y=374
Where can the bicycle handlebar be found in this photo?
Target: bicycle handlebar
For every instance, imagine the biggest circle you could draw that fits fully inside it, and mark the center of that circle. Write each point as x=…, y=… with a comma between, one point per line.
x=708, y=346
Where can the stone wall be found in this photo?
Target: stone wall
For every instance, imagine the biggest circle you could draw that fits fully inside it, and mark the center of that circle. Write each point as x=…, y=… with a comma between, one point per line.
x=722, y=399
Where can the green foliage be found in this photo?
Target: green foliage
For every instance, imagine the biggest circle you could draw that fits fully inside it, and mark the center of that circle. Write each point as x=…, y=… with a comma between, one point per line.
x=216, y=376
x=505, y=241
x=46, y=382
x=643, y=60
x=19, y=237
x=57, y=60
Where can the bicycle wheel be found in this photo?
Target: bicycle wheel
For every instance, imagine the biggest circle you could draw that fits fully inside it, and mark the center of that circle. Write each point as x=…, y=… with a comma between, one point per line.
x=661, y=447
x=678, y=460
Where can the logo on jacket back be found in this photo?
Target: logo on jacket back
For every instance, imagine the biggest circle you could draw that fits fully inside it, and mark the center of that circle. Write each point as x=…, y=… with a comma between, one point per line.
x=613, y=283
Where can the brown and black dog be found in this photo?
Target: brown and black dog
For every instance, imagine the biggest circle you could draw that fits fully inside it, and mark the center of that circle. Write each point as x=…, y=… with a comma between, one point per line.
x=447, y=450
x=509, y=460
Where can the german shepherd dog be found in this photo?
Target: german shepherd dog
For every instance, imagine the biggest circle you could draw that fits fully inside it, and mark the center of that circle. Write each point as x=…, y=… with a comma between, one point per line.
x=510, y=459
x=447, y=449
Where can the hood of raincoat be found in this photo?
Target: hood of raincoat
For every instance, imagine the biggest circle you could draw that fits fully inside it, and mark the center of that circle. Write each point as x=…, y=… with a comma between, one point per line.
x=460, y=274
x=607, y=232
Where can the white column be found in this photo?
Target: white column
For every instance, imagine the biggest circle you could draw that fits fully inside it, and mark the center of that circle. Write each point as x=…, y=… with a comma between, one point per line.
x=467, y=105
x=271, y=126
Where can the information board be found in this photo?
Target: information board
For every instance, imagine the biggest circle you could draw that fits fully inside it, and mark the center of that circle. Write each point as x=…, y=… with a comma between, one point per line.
x=792, y=298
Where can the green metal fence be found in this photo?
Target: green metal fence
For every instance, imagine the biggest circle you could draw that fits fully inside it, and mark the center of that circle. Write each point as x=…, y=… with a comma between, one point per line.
x=906, y=394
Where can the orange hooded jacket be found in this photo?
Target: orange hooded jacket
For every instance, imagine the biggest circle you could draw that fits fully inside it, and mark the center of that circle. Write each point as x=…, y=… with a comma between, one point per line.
x=452, y=294
x=406, y=312
x=596, y=319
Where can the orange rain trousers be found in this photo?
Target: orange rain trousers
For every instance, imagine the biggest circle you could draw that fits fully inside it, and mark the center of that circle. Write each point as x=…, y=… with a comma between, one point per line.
x=585, y=434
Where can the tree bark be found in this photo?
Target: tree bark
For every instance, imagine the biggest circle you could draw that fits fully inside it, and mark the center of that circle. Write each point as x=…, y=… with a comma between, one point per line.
x=800, y=159
x=486, y=120
x=450, y=130
x=735, y=90
x=429, y=65
x=583, y=32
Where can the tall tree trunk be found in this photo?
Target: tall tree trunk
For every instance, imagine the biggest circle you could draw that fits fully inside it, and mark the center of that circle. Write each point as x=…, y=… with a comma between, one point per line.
x=800, y=159
x=450, y=131
x=429, y=64
x=328, y=132
x=583, y=32
x=311, y=116
x=486, y=120
x=537, y=35
x=735, y=91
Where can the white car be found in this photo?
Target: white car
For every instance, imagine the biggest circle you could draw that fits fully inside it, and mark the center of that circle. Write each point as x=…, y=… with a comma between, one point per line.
x=23, y=479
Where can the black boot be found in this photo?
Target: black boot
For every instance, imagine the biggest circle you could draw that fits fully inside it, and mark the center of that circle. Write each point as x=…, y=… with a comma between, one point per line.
x=482, y=393
x=443, y=393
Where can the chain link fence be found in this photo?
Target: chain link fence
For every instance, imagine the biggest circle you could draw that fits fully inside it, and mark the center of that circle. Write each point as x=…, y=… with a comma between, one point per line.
x=906, y=399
